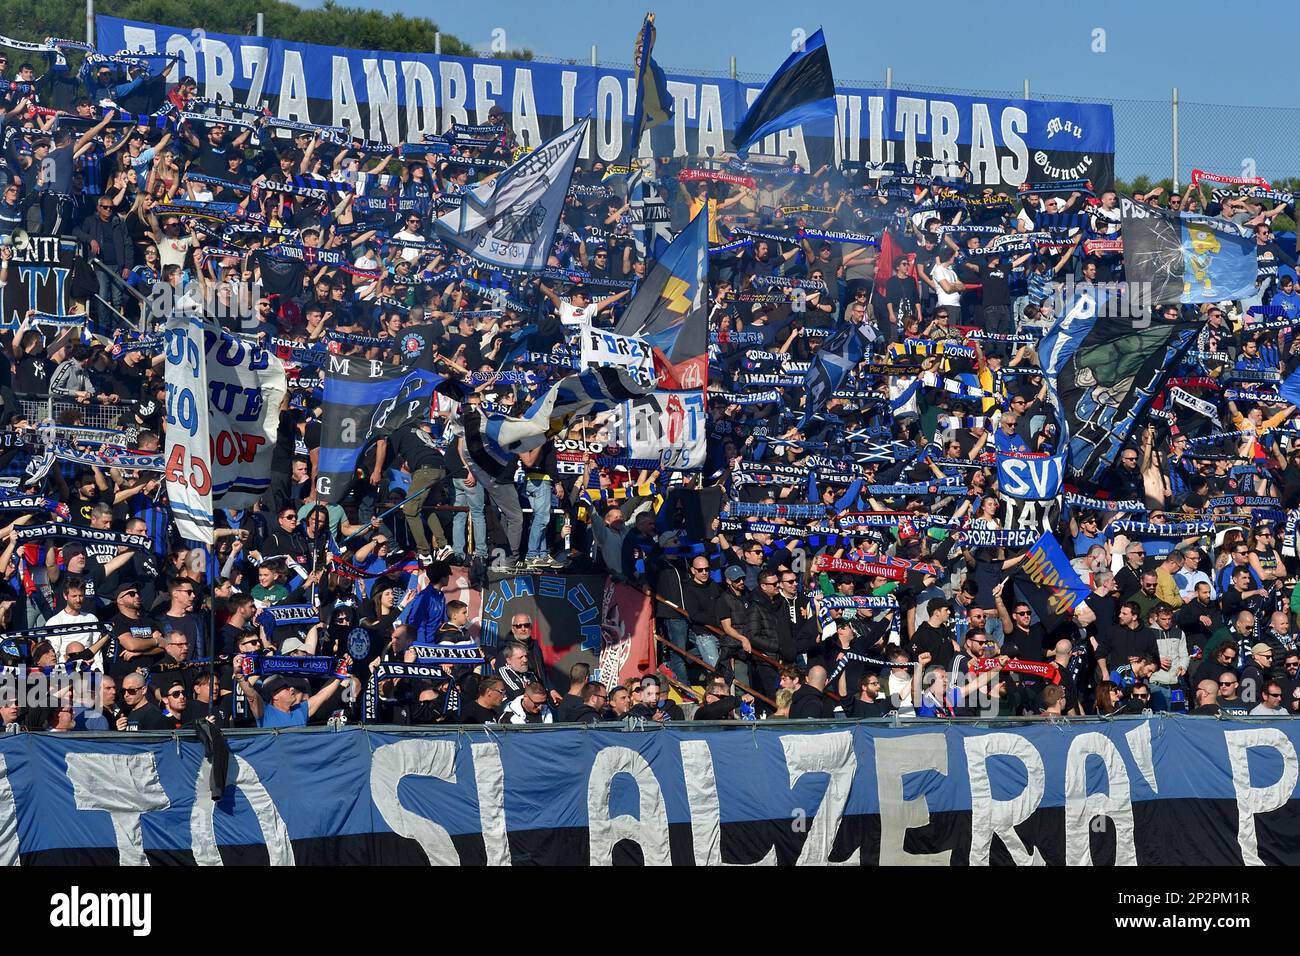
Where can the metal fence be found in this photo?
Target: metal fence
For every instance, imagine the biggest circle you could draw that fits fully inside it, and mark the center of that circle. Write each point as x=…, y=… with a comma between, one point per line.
x=1155, y=139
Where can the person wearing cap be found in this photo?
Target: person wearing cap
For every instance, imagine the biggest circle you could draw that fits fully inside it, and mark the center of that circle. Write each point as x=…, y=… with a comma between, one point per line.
x=1257, y=672
x=733, y=618
x=285, y=701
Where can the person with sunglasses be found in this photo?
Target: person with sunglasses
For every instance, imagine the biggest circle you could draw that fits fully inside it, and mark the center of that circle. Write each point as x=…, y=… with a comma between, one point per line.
x=1230, y=700
x=138, y=711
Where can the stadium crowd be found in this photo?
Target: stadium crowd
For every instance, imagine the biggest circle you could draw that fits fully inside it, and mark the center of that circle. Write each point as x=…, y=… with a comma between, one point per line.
x=858, y=559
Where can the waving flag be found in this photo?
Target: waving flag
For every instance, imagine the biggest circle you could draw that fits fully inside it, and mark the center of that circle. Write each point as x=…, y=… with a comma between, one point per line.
x=363, y=401
x=493, y=439
x=800, y=91
x=833, y=361
x=188, y=448
x=654, y=104
x=509, y=220
x=1186, y=257
x=669, y=311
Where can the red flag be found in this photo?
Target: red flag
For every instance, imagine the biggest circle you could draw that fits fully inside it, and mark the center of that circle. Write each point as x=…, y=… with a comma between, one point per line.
x=890, y=253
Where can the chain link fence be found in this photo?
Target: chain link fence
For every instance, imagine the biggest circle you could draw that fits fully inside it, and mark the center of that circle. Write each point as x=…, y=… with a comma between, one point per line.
x=1221, y=138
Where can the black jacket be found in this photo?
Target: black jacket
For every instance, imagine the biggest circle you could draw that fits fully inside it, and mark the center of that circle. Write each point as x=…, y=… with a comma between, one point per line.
x=115, y=248
x=809, y=703
x=766, y=621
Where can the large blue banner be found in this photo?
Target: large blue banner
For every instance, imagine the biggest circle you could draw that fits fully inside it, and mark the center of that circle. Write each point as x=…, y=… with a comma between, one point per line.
x=402, y=96
x=1126, y=791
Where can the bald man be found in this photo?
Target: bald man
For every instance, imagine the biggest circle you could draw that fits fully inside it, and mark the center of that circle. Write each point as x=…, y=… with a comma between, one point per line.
x=810, y=701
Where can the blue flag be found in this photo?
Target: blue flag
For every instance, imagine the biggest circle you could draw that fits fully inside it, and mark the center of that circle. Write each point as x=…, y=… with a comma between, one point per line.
x=1290, y=388
x=802, y=90
x=1187, y=257
x=1047, y=566
x=833, y=361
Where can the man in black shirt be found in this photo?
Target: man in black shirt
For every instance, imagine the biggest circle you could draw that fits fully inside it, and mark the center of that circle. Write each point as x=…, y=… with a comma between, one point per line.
x=137, y=640
x=1125, y=640
x=869, y=702
x=483, y=709
x=935, y=635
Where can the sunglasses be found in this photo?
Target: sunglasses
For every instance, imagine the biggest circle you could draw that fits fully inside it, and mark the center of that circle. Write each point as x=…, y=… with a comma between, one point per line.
x=176, y=693
x=525, y=626
x=1227, y=683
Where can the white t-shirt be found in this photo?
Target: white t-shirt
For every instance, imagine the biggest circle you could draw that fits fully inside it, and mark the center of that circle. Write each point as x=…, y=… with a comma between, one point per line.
x=61, y=642
x=572, y=315
x=947, y=275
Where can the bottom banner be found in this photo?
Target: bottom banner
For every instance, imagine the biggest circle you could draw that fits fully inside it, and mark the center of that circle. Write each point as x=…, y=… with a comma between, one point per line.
x=1171, y=791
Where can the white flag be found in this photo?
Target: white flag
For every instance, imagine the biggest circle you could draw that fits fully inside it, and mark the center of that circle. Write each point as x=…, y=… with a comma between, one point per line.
x=510, y=221
x=188, y=452
x=247, y=387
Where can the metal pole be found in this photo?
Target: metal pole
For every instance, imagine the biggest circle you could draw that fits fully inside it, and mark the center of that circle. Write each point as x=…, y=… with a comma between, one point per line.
x=437, y=43
x=1174, y=114
x=90, y=22
x=733, y=67
x=260, y=24
x=593, y=55
x=889, y=77
x=1026, y=88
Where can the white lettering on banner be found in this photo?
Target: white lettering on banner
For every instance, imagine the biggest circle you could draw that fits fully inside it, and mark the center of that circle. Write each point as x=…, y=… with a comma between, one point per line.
x=983, y=149
x=648, y=829
x=568, y=97
x=293, y=89
x=179, y=45
x=683, y=95
x=9, y=855
x=523, y=109
x=706, y=814
x=991, y=817
x=909, y=119
x=256, y=61
x=454, y=90
x=240, y=775
x=1139, y=745
x=944, y=126
x=343, y=95
x=419, y=758
x=381, y=91
x=421, y=100
x=876, y=131
x=1081, y=807
x=126, y=786
x=896, y=757
x=1015, y=168
x=848, y=142
x=831, y=754
x=487, y=85
x=1252, y=800
x=1036, y=478
x=609, y=118
x=713, y=135
x=218, y=69
x=139, y=39
x=490, y=781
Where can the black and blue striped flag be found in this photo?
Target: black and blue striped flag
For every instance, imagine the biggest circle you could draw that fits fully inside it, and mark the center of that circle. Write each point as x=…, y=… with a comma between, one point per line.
x=802, y=90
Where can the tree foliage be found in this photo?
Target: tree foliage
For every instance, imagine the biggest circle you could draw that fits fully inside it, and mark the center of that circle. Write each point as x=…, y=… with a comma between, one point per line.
x=332, y=24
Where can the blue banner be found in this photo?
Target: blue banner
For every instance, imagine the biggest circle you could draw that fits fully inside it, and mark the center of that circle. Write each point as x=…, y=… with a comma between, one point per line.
x=1035, y=479
x=402, y=96
x=920, y=793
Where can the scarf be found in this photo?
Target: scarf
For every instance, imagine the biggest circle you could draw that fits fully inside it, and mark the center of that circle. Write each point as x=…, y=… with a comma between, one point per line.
x=859, y=601
x=1201, y=176
x=108, y=457
x=730, y=247
x=715, y=176
x=749, y=398
x=1147, y=529
x=1102, y=504
x=72, y=532
x=998, y=537
x=1243, y=501
x=829, y=235
x=790, y=282
x=1043, y=669
x=756, y=509
x=389, y=204
x=303, y=666
x=871, y=568
x=1199, y=406
x=215, y=181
